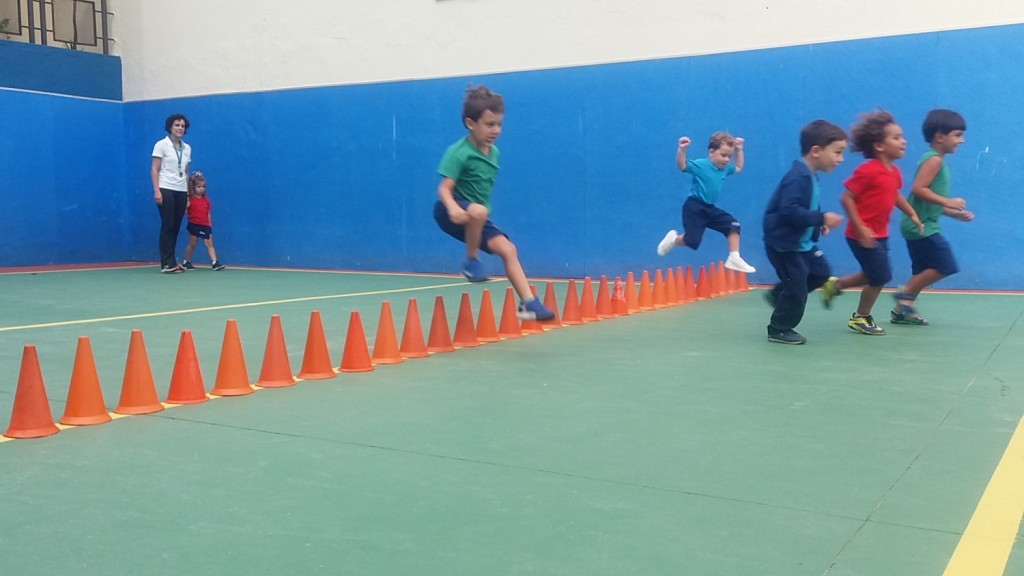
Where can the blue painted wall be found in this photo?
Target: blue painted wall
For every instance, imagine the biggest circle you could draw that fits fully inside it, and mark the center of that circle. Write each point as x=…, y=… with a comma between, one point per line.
x=344, y=177
x=66, y=71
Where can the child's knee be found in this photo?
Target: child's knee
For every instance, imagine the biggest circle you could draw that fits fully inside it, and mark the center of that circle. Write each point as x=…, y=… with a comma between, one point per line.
x=502, y=247
x=477, y=212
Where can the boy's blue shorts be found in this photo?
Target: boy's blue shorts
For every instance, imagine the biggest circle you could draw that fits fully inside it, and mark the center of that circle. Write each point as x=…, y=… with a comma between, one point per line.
x=458, y=231
x=873, y=261
x=932, y=252
x=199, y=230
x=698, y=216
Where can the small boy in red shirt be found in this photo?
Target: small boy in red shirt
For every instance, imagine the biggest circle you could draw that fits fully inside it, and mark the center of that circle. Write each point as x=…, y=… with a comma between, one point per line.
x=199, y=223
x=871, y=193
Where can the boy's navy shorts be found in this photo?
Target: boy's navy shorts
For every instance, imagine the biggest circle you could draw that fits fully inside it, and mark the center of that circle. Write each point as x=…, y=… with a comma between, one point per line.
x=698, y=215
x=873, y=261
x=458, y=231
x=199, y=230
x=932, y=252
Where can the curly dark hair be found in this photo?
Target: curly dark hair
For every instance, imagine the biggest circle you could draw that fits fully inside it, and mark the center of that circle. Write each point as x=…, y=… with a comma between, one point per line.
x=174, y=118
x=479, y=99
x=870, y=130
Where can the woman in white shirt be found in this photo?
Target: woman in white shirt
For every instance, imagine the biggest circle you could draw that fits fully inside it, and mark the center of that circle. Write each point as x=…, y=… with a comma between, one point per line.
x=169, y=171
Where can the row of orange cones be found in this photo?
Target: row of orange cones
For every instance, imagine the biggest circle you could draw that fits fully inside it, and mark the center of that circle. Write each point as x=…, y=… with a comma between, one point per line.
x=31, y=416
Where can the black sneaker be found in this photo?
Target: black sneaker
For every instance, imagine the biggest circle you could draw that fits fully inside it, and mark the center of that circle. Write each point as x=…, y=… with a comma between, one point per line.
x=187, y=265
x=217, y=266
x=785, y=337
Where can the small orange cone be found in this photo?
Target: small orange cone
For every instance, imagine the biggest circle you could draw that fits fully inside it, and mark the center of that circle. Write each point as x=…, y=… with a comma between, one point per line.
x=680, y=285
x=743, y=282
x=509, y=327
x=646, y=298
x=690, y=287
x=723, y=289
x=440, y=339
x=465, y=331
x=486, y=325
x=316, y=361
x=187, y=378
x=232, y=375
x=385, y=344
x=532, y=326
x=356, y=356
x=85, y=404
x=604, y=300
x=551, y=303
x=659, y=297
x=138, y=391
x=703, y=288
x=632, y=303
x=571, y=315
x=619, y=306
x=730, y=280
x=671, y=295
x=413, y=345
x=588, y=308
x=31, y=416
x=277, y=368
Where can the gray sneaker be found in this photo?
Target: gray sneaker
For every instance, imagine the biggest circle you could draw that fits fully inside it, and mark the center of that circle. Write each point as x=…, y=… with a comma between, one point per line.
x=785, y=337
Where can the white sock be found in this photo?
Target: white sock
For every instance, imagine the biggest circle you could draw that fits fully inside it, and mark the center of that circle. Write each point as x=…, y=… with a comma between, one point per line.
x=734, y=254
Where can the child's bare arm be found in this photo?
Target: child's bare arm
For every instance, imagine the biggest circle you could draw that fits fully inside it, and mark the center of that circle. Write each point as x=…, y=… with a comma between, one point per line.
x=866, y=236
x=684, y=143
x=446, y=192
x=738, y=161
x=907, y=209
x=925, y=176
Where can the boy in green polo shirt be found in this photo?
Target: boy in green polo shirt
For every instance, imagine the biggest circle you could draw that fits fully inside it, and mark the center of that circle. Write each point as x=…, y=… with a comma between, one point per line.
x=468, y=170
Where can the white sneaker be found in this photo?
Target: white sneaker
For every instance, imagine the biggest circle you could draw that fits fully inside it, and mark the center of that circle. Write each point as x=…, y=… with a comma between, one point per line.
x=739, y=264
x=667, y=243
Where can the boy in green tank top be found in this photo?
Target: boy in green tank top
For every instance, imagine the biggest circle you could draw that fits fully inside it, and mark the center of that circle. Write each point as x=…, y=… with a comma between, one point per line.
x=931, y=257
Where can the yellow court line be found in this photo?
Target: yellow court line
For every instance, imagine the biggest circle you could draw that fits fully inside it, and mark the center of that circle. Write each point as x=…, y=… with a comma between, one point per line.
x=224, y=307
x=985, y=546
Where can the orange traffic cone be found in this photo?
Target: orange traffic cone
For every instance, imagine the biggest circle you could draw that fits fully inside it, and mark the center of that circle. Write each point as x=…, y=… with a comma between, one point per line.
x=723, y=289
x=356, y=356
x=509, y=327
x=619, y=306
x=440, y=339
x=486, y=325
x=232, y=375
x=277, y=368
x=645, y=299
x=385, y=345
x=588, y=306
x=187, y=378
x=465, y=331
x=85, y=396
x=138, y=391
x=31, y=416
x=703, y=287
x=532, y=326
x=743, y=282
x=571, y=315
x=551, y=304
x=659, y=297
x=604, y=300
x=413, y=345
x=690, y=287
x=680, y=285
x=632, y=303
x=730, y=280
x=316, y=361
x=671, y=295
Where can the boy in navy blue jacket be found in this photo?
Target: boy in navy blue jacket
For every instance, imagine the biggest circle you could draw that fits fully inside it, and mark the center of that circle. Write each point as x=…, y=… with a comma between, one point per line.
x=792, y=223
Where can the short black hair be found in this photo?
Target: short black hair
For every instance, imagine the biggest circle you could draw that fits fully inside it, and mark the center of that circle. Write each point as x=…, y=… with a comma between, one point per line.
x=480, y=99
x=870, y=130
x=174, y=118
x=942, y=121
x=819, y=133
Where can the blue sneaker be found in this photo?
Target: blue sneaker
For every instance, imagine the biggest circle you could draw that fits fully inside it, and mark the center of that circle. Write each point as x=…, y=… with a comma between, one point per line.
x=473, y=270
x=534, y=310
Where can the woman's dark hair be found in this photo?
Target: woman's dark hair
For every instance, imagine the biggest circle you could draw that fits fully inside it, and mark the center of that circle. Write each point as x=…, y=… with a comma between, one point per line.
x=174, y=118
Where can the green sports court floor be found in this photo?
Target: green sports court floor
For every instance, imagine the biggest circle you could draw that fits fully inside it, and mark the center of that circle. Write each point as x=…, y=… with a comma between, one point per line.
x=675, y=441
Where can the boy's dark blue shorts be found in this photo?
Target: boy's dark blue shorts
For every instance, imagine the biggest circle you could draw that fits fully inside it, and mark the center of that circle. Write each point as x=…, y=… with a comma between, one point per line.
x=873, y=261
x=458, y=231
x=199, y=230
x=932, y=252
x=698, y=215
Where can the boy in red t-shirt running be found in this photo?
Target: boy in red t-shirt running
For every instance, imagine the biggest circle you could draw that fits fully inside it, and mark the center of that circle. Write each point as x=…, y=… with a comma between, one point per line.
x=199, y=223
x=871, y=192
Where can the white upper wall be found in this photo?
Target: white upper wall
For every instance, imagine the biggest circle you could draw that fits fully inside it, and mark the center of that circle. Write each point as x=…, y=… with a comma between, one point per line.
x=195, y=47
